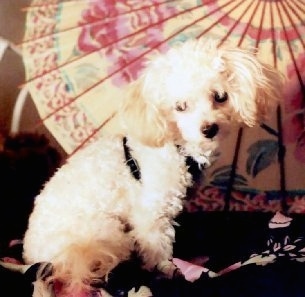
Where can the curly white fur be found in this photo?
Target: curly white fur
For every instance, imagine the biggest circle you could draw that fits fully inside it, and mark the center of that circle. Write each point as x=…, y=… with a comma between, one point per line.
x=93, y=213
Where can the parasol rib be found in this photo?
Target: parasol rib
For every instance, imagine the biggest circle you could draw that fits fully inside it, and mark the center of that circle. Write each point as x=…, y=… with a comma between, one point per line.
x=274, y=55
x=260, y=29
x=298, y=6
x=296, y=14
x=237, y=21
x=249, y=23
x=221, y=18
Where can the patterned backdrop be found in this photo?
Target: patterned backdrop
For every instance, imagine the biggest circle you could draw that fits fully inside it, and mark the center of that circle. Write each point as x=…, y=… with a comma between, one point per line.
x=79, y=56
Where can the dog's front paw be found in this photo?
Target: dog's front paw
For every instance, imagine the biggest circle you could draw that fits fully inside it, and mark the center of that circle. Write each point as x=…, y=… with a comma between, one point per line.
x=142, y=292
x=207, y=159
x=169, y=269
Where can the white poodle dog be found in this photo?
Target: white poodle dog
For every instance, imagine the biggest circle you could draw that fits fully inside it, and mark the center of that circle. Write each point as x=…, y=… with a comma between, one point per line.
x=121, y=194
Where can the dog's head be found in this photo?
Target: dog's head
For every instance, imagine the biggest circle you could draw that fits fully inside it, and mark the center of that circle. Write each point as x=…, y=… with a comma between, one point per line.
x=193, y=93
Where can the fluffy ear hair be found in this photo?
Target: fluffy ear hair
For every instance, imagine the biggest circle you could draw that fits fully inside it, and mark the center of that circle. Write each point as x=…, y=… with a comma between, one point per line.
x=141, y=118
x=256, y=87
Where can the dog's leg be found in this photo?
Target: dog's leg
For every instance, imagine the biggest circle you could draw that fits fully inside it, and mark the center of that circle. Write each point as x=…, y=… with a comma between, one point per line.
x=154, y=240
x=164, y=178
x=142, y=292
x=157, y=255
x=169, y=269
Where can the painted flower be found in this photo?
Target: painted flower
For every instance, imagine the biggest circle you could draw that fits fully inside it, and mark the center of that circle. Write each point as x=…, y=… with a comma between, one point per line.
x=294, y=125
x=124, y=32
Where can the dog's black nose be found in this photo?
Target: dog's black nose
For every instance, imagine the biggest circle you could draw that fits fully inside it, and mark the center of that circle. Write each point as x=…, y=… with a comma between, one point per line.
x=209, y=131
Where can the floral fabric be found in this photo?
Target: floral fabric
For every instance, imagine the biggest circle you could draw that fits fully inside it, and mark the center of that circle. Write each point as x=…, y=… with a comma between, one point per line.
x=265, y=259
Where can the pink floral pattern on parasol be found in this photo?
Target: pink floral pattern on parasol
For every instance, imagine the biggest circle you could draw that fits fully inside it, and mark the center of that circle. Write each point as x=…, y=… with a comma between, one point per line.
x=119, y=26
x=294, y=125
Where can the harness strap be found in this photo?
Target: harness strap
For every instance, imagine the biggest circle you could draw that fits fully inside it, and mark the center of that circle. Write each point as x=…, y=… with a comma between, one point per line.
x=130, y=161
x=192, y=165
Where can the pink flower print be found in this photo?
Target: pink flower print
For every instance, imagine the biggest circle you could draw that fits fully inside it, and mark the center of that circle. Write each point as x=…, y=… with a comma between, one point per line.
x=124, y=32
x=294, y=125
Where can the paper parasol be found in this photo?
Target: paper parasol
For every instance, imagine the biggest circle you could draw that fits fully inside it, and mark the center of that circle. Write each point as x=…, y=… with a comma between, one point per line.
x=80, y=54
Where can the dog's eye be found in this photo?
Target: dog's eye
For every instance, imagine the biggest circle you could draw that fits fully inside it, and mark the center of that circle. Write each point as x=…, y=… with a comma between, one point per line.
x=220, y=98
x=181, y=106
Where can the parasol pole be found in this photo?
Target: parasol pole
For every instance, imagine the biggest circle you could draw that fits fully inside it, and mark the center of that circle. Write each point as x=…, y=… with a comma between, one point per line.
x=230, y=186
x=281, y=160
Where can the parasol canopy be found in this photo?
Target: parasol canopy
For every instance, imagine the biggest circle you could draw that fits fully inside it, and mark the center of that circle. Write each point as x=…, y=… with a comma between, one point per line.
x=80, y=54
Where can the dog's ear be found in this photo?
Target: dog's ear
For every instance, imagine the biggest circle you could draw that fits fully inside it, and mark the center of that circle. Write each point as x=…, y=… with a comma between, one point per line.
x=255, y=87
x=142, y=119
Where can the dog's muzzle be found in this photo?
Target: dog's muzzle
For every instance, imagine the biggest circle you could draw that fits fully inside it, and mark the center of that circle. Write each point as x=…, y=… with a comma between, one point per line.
x=210, y=130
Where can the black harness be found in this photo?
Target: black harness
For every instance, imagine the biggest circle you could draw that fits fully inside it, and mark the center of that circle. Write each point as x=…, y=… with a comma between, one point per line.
x=130, y=161
x=134, y=167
